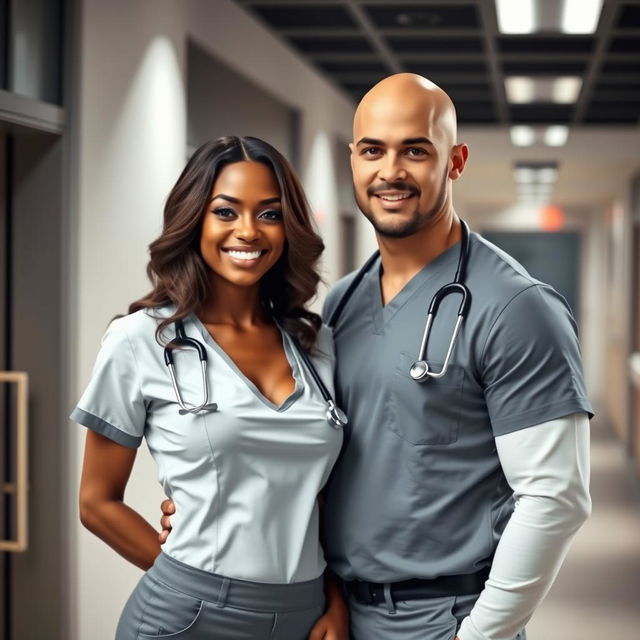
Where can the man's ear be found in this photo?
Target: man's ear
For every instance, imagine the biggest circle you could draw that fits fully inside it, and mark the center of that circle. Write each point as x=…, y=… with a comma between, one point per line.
x=459, y=155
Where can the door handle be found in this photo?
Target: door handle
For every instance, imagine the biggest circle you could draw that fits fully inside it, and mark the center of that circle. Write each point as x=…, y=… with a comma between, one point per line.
x=17, y=488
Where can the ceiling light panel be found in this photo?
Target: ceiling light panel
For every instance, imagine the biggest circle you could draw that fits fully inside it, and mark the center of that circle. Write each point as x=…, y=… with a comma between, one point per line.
x=515, y=17
x=556, y=136
x=520, y=89
x=522, y=136
x=566, y=90
x=581, y=16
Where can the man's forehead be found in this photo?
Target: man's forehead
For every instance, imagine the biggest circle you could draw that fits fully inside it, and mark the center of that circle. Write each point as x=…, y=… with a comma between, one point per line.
x=393, y=126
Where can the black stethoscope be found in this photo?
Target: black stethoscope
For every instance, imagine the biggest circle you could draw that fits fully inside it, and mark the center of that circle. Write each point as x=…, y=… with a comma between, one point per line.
x=334, y=415
x=420, y=370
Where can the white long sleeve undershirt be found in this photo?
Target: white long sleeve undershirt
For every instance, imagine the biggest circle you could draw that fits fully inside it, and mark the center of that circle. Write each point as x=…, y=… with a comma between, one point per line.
x=547, y=466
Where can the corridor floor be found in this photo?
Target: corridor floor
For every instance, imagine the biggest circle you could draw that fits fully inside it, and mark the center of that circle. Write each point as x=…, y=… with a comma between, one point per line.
x=597, y=594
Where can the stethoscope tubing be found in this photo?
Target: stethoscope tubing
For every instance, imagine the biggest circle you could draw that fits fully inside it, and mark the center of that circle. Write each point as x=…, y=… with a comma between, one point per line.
x=420, y=369
x=334, y=415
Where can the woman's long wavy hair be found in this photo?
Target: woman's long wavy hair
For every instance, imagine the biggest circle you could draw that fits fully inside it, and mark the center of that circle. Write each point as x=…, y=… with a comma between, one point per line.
x=179, y=274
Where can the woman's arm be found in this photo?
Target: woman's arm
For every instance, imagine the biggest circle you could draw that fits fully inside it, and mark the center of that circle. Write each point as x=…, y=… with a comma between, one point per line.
x=105, y=473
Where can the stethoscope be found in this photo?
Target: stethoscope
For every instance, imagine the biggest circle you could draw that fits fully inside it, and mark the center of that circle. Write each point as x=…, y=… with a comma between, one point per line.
x=334, y=415
x=420, y=370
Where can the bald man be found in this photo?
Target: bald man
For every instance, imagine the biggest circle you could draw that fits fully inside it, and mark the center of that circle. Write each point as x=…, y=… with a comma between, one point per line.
x=455, y=498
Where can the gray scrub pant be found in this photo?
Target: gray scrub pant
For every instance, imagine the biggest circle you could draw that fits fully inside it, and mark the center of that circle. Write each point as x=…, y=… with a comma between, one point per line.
x=422, y=619
x=174, y=600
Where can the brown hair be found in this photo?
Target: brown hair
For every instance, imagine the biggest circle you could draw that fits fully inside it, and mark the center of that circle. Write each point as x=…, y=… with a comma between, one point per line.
x=178, y=272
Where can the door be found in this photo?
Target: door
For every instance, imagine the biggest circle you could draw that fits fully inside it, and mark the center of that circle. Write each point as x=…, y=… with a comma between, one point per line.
x=32, y=578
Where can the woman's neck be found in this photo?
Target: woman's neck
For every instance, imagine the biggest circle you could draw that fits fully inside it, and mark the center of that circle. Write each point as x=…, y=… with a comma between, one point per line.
x=232, y=305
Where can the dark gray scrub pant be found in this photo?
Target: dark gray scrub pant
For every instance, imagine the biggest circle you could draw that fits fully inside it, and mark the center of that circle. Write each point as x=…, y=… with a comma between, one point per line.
x=174, y=600
x=422, y=619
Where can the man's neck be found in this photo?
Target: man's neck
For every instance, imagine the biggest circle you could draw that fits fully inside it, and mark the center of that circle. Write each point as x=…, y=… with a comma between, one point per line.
x=402, y=258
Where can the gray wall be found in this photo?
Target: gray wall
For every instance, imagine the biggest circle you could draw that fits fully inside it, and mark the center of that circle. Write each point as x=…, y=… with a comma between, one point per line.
x=222, y=102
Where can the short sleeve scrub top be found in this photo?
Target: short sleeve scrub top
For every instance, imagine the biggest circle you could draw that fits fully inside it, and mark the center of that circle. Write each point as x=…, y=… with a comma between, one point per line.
x=244, y=478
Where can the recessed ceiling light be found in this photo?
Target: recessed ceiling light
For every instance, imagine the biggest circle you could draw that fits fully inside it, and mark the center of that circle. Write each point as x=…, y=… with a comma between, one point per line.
x=519, y=89
x=547, y=176
x=566, y=90
x=556, y=135
x=522, y=136
x=515, y=17
x=524, y=89
x=525, y=175
x=581, y=16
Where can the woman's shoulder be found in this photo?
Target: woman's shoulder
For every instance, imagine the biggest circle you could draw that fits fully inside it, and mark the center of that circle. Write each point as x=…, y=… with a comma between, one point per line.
x=141, y=324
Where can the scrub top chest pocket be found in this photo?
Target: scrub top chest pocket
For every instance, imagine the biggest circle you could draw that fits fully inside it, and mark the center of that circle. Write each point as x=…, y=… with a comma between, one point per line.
x=425, y=413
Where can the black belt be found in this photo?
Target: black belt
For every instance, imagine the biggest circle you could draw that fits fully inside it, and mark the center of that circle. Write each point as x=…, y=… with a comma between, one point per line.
x=457, y=585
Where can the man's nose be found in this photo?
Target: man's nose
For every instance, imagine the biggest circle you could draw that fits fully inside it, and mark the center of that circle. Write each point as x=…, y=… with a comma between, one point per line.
x=392, y=169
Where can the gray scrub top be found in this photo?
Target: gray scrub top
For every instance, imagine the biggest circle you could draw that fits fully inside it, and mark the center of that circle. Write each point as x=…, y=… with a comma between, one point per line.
x=244, y=478
x=418, y=490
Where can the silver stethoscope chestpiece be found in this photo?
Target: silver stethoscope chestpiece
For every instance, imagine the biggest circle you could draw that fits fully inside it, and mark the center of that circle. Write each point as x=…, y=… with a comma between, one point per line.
x=419, y=370
x=336, y=417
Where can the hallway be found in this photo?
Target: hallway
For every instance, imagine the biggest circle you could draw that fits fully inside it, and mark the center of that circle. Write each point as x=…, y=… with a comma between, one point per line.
x=597, y=594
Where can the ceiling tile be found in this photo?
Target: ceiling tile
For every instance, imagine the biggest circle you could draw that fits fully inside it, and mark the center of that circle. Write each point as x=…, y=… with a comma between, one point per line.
x=345, y=44
x=541, y=113
x=628, y=17
x=435, y=44
x=544, y=67
x=320, y=16
x=625, y=45
x=531, y=45
x=425, y=15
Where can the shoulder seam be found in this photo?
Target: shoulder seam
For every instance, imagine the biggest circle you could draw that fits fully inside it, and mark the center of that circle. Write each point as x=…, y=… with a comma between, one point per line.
x=493, y=324
x=135, y=360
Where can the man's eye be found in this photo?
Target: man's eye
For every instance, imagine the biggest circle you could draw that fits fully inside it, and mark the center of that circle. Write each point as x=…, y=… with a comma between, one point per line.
x=416, y=152
x=224, y=212
x=271, y=214
x=371, y=151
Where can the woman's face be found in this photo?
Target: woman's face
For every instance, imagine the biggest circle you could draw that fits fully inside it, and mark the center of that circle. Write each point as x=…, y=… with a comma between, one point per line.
x=242, y=232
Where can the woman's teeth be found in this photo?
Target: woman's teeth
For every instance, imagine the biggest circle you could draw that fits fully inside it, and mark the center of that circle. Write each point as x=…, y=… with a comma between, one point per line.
x=244, y=255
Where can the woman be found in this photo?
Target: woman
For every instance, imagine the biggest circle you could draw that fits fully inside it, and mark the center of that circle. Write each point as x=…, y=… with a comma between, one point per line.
x=242, y=449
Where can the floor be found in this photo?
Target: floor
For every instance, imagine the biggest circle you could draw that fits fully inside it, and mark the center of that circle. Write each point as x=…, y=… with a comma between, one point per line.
x=597, y=594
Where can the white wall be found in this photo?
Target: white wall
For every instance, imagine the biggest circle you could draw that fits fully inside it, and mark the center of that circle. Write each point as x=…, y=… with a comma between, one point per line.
x=132, y=138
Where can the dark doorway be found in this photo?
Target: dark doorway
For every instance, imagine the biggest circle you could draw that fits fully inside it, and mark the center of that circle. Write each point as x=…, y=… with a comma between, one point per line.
x=553, y=258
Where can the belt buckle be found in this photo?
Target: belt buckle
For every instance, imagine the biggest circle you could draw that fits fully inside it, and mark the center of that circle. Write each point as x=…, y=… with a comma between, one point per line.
x=368, y=592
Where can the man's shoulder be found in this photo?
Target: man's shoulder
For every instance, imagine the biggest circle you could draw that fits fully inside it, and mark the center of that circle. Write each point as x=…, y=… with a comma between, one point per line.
x=336, y=293
x=494, y=273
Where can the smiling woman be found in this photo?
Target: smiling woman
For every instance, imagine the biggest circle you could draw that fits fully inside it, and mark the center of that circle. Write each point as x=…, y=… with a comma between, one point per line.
x=232, y=271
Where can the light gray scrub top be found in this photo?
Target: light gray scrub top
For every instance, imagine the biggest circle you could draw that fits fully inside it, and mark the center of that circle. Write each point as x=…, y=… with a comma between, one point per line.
x=418, y=490
x=244, y=478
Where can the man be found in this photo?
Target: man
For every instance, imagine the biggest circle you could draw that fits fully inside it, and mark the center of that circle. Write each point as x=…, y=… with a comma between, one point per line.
x=454, y=500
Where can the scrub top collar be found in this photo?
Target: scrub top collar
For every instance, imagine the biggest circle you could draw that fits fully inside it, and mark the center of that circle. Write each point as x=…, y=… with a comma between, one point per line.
x=289, y=352
x=383, y=314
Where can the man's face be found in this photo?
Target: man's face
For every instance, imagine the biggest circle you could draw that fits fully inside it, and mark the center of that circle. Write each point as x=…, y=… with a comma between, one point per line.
x=400, y=164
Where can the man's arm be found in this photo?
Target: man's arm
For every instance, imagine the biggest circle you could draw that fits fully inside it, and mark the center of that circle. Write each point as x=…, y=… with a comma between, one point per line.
x=547, y=466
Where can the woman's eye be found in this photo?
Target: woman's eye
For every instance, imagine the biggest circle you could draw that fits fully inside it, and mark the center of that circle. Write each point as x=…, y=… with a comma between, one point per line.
x=224, y=212
x=271, y=214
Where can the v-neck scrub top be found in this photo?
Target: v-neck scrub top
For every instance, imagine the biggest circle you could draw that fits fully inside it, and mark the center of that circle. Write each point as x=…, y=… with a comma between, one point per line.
x=419, y=491
x=244, y=478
